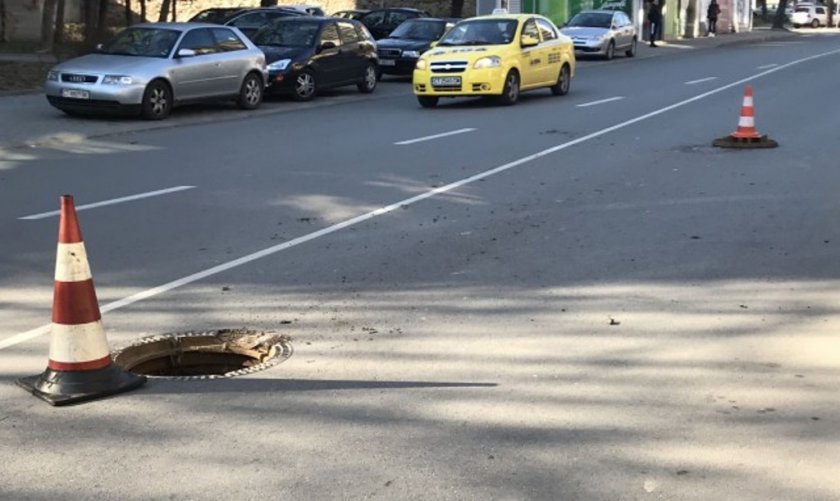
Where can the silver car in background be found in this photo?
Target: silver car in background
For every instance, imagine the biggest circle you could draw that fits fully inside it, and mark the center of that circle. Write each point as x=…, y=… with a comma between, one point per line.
x=602, y=32
x=148, y=69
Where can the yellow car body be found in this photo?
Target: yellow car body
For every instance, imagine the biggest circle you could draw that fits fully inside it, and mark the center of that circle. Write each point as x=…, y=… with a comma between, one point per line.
x=536, y=54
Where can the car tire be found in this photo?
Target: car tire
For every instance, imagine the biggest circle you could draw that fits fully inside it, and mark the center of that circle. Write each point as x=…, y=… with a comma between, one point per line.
x=157, y=101
x=368, y=84
x=631, y=52
x=305, y=86
x=510, y=92
x=564, y=81
x=610, y=53
x=815, y=23
x=251, y=92
x=795, y=25
x=427, y=101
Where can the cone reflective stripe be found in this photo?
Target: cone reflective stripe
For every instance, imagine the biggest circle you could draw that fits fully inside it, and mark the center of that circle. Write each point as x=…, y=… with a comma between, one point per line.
x=746, y=124
x=80, y=367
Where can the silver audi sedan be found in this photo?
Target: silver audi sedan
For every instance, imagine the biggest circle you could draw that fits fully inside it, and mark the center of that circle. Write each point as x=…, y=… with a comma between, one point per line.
x=602, y=32
x=148, y=69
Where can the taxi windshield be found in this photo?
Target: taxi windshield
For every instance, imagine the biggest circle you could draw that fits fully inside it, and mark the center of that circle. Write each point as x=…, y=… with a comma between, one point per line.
x=481, y=32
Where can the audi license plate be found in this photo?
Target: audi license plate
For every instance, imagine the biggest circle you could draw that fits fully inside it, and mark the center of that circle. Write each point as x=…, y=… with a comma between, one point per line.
x=446, y=81
x=387, y=62
x=75, y=94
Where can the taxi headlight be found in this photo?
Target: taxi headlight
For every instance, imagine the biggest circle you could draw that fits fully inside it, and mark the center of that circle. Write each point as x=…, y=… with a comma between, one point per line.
x=488, y=62
x=422, y=64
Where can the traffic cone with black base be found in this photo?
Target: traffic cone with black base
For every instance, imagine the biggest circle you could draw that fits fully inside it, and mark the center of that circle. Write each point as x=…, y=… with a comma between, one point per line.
x=746, y=136
x=80, y=366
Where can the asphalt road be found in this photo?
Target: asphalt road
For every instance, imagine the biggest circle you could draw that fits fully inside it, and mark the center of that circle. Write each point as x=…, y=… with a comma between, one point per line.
x=573, y=298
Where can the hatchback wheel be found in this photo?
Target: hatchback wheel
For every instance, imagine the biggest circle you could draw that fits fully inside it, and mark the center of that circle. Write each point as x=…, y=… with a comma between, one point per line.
x=564, y=81
x=251, y=92
x=367, y=85
x=815, y=23
x=157, y=101
x=610, y=53
x=510, y=94
x=305, y=86
x=631, y=52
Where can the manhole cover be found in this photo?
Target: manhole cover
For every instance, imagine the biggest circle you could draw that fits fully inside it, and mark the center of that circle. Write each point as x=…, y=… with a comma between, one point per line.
x=205, y=355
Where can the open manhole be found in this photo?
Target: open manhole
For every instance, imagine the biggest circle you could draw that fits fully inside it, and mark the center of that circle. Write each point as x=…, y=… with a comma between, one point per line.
x=205, y=355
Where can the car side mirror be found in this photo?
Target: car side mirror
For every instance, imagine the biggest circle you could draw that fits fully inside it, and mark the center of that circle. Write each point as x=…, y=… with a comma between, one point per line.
x=326, y=46
x=433, y=44
x=529, y=41
x=186, y=53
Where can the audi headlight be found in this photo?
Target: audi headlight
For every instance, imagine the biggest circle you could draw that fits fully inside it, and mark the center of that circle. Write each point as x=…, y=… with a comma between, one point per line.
x=52, y=76
x=117, y=80
x=488, y=62
x=280, y=65
x=422, y=64
x=411, y=53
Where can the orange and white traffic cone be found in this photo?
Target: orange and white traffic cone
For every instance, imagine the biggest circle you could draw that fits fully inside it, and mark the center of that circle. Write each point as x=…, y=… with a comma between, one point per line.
x=80, y=367
x=746, y=137
x=746, y=124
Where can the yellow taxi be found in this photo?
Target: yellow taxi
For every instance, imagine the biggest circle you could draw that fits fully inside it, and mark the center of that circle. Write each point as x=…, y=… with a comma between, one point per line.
x=499, y=55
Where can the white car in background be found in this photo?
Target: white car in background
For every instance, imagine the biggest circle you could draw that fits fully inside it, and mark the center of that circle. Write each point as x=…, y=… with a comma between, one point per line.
x=811, y=15
x=602, y=33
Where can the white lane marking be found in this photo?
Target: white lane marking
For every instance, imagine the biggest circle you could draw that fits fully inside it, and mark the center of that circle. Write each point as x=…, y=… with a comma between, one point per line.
x=701, y=80
x=602, y=101
x=436, y=136
x=24, y=336
x=676, y=46
x=44, y=215
x=766, y=66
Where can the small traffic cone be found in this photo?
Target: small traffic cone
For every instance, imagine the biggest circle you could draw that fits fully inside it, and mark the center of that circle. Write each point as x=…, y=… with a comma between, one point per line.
x=746, y=136
x=80, y=367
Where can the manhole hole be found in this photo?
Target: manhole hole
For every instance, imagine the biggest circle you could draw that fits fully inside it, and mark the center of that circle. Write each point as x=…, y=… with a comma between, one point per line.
x=205, y=355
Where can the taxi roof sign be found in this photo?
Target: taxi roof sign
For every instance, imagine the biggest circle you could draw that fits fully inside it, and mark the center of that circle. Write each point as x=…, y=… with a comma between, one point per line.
x=497, y=12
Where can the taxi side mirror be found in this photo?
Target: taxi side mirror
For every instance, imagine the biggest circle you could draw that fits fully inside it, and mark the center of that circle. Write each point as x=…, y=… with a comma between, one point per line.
x=433, y=44
x=529, y=41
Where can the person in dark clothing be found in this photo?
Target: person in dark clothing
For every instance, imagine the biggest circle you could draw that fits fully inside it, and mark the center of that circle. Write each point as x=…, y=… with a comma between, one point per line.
x=712, y=16
x=655, y=19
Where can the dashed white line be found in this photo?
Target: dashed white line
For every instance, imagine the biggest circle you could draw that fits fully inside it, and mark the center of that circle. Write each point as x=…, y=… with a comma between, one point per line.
x=120, y=200
x=436, y=136
x=39, y=331
x=766, y=66
x=701, y=80
x=602, y=101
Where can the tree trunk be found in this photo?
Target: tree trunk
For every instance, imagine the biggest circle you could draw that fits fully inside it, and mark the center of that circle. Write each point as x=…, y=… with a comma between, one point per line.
x=90, y=22
x=128, y=13
x=59, y=23
x=48, y=24
x=174, y=11
x=143, y=17
x=830, y=5
x=779, y=19
x=164, y=11
x=102, y=21
x=457, y=8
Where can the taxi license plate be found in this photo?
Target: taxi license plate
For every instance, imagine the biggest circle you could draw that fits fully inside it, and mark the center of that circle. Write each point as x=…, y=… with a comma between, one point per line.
x=387, y=62
x=75, y=94
x=446, y=81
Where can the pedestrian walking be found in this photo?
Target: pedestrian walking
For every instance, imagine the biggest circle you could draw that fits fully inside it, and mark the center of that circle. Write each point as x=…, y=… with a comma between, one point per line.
x=655, y=19
x=712, y=16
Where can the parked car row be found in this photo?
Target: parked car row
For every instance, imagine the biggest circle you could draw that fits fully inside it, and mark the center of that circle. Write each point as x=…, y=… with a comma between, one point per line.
x=148, y=69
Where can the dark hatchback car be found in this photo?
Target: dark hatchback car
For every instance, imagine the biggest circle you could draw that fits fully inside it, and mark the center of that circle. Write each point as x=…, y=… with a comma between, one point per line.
x=217, y=15
x=308, y=54
x=399, y=52
x=381, y=22
x=251, y=21
x=351, y=14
